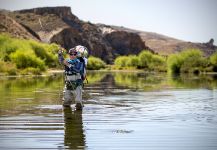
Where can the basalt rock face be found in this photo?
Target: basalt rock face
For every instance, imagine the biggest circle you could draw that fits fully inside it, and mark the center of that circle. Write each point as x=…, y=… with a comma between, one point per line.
x=125, y=43
x=59, y=25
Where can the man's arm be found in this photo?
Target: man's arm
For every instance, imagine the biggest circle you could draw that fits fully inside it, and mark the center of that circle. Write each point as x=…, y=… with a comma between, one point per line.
x=60, y=56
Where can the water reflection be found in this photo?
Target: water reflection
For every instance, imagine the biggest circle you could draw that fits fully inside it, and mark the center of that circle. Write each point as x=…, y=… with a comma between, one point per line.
x=139, y=80
x=74, y=135
x=164, y=81
x=193, y=81
x=17, y=93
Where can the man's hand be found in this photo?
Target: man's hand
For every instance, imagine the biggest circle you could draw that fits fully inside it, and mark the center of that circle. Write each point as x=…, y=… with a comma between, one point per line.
x=66, y=63
x=60, y=55
x=60, y=52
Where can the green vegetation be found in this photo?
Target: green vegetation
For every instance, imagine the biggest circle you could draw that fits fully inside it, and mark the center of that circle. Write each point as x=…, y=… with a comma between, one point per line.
x=152, y=62
x=188, y=61
x=213, y=61
x=26, y=56
x=121, y=61
x=19, y=56
x=95, y=63
x=145, y=60
x=25, y=60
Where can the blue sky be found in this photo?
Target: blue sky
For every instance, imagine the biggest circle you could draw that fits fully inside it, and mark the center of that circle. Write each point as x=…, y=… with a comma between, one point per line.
x=189, y=20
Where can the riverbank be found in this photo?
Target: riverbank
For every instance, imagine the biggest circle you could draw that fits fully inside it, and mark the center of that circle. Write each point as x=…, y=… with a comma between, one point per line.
x=51, y=72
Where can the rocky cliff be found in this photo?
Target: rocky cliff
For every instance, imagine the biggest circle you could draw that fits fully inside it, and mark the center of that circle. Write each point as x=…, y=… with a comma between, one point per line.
x=59, y=25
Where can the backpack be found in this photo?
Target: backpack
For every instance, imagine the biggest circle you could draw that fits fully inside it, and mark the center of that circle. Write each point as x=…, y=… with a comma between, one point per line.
x=82, y=56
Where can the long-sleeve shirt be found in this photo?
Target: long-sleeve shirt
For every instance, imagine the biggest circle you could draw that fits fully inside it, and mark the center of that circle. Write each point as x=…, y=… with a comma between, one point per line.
x=74, y=66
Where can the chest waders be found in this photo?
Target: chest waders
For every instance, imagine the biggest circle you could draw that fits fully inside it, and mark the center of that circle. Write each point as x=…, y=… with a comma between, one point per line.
x=74, y=71
x=72, y=85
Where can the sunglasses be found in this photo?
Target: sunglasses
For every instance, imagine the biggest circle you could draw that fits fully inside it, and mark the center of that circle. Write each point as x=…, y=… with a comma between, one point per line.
x=72, y=54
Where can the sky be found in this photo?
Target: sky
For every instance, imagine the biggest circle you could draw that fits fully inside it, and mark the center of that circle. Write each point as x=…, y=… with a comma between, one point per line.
x=188, y=20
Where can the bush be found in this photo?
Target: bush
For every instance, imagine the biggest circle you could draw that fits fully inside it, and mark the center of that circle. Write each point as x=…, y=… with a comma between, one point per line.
x=188, y=61
x=2, y=66
x=157, y=63
x=25, y=60
x=95, y=63
x=27, y=53
x=144, y=59
x=7, y=46
x=213, y=61
x=121, y=61
x=174, y=63
x=133, y=61
x=8, y=67
x=12, y=71
x=43, y=51
x=151, y=61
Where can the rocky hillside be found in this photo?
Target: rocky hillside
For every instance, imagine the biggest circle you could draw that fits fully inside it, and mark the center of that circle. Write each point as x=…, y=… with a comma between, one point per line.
x=59, y=25
x=9, y=25
x=165, y=45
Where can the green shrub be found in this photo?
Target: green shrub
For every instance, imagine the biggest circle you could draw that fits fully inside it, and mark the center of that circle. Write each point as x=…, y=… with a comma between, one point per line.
x=41, y=51
x=25, y=60
x=2, y=66
x=213, y=61
x=7, y=46
x=188, y=61
x=12, y=71
x=151, y=61
x=8, y=67
x=121, y=61
x=157, y=63
x=95, y=63
x=145, y=58
x=27, y=53
x=174, y=63
x=133, y=61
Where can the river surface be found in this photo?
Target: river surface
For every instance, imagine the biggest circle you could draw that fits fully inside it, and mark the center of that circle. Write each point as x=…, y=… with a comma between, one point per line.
x=128, y=111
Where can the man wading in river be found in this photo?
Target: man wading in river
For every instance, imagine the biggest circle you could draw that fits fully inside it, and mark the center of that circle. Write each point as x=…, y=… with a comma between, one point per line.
x=75, y=74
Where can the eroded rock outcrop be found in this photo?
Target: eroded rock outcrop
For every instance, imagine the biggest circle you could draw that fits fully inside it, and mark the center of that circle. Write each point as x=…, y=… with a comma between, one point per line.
x=9, y=25
x=59, y=25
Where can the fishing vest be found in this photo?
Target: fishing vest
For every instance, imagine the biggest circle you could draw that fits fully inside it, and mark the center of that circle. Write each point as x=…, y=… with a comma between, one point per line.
x=75, y=66
x=72, y=73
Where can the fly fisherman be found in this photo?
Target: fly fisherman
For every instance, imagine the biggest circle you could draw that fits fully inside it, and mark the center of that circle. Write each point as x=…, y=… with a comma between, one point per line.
x=74, y=76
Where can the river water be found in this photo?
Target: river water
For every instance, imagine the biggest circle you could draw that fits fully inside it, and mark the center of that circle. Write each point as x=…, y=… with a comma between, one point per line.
x=126, y=111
